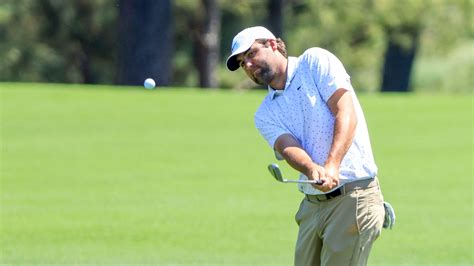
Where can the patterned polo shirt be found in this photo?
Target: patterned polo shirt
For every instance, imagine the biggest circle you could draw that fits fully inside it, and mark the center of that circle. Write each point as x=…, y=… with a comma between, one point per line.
x=301, y=110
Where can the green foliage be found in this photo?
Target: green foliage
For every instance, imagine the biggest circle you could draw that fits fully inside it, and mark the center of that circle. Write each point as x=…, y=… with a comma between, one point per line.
x=357, y=31
x=236, y=14
x=448, y=25
x=398, y=14
x=76, y=41
x=448, y=72
x=112, y=175
x=445, y=61
x=349, y=32
x=58, y=41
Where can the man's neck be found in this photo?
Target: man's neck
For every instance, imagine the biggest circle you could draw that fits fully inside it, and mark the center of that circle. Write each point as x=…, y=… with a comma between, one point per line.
x=278, y=83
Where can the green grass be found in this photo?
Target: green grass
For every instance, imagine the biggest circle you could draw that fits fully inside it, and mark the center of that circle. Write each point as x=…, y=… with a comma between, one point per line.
x=109, y=175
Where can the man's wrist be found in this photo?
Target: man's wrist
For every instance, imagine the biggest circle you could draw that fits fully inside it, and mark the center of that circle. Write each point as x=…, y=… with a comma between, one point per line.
x=308, y=170
x=332, y=162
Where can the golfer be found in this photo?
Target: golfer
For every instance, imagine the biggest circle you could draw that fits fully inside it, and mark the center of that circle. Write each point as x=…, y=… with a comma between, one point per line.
x=312, y=118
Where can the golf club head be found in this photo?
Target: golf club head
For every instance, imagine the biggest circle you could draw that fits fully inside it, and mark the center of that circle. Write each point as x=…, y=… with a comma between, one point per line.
x=275, y=171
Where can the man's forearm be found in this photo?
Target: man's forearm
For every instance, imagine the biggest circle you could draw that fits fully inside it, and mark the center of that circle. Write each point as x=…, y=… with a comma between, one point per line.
x=344, y=127
x=294, y=154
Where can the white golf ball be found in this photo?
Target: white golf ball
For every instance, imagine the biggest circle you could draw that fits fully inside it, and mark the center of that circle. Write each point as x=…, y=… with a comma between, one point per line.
x=149, y=83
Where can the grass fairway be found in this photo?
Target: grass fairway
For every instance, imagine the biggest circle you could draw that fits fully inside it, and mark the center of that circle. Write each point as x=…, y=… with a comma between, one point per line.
x=109, y=175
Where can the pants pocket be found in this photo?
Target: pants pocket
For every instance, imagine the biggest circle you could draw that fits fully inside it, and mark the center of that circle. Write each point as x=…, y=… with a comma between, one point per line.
x=299, y=213
x=369, y=211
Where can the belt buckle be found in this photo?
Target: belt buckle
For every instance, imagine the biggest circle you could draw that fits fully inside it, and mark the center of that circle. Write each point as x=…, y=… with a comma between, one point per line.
x=321, y=197
x=336, y=193
x=331, y=195
x=316, y=197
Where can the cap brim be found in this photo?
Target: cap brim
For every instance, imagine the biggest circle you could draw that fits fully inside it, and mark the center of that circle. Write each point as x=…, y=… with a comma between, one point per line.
x=232, y=63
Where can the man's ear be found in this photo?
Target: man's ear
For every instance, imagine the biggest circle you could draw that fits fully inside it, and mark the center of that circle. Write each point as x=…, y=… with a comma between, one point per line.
x=273, y=44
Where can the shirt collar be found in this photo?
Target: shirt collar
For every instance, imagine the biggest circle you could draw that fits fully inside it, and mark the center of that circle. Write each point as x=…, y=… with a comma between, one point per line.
x=290, y=73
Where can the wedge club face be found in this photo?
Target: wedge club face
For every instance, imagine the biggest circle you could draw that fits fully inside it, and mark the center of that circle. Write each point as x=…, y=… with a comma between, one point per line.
x=276, y=173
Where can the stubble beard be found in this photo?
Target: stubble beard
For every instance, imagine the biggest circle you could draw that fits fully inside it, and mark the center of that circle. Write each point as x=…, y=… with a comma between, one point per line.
x=265, y=76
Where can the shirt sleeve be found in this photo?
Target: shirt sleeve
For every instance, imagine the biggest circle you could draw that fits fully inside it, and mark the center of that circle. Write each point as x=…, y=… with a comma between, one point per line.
x=328, y=72
x=268, y=126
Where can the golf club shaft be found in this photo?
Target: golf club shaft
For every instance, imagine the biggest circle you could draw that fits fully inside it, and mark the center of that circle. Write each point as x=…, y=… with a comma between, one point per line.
x=317, y=182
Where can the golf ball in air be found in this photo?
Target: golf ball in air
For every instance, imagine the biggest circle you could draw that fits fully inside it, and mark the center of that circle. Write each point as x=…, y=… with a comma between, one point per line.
x=149, y=83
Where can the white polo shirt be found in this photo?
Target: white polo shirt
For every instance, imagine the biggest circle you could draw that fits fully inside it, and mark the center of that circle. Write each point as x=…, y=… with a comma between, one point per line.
x=301, y=110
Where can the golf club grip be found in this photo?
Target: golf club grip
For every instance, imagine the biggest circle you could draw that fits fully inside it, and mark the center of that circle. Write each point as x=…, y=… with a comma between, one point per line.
x=318, y=182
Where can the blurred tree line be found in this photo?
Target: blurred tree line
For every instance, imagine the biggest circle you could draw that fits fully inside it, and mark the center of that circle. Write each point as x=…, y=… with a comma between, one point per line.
x=387, y=45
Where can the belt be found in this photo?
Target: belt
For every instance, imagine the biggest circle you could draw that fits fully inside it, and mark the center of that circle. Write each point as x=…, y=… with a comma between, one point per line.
x=342, y=190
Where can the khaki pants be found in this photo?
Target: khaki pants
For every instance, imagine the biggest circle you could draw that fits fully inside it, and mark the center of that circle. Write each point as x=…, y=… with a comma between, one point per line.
x=339, y=231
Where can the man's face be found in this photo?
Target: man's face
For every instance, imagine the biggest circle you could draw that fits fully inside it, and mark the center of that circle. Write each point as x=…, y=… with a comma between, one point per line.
x=256, y=63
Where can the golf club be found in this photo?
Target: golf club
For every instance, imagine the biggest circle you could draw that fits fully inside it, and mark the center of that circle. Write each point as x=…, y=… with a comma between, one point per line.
x=276, y=173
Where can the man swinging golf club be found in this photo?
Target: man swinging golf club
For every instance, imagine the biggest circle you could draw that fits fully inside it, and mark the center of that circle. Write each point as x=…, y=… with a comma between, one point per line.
x=312, y=118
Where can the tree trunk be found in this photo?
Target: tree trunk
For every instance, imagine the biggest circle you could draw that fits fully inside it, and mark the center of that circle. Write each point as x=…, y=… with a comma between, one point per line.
x=207, y=45
x=398, y=64
x=275, y=17
x=146, y=41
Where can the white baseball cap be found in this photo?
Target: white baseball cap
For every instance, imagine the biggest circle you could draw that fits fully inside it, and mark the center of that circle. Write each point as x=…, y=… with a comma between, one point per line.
x=242, y=42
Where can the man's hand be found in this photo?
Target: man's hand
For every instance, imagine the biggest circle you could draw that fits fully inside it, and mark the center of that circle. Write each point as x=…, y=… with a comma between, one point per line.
x=316, y=172
x=291, y=150
x=331, y=179
x=329, y=174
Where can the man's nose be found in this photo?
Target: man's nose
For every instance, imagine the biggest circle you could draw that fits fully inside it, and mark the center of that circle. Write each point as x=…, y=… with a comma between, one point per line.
x=247, y=63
